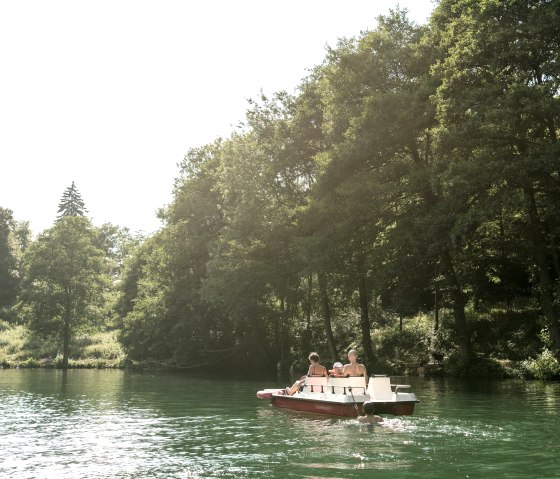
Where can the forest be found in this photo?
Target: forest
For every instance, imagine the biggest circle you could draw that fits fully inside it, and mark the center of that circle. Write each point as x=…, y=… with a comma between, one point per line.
x=403, y=201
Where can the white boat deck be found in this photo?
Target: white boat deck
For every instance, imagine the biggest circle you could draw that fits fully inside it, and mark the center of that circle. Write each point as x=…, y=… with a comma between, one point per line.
x=354, y=389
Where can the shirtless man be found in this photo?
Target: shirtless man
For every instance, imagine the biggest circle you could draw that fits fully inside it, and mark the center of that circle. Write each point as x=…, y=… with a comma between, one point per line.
x=370, y=417
x=354, y=368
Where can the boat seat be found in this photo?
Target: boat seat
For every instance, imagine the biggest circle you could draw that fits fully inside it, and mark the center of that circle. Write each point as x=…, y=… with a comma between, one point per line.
x=338, y=385
x=358, y=384
x=315, y=384
x=354, y=384
x=379, y=388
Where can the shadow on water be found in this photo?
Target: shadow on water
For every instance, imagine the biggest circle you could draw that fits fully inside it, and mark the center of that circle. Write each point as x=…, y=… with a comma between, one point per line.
x=101, y=424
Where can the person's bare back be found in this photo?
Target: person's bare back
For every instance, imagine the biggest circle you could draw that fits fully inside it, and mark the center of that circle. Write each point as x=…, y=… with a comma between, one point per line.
x=354, y=368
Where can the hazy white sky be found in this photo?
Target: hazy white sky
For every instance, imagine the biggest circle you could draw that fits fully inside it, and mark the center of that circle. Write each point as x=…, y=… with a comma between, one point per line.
x=112, y=93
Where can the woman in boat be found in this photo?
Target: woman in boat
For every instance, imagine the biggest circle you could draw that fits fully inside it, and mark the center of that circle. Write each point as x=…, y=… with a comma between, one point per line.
x=316, y=369
x=354, y=368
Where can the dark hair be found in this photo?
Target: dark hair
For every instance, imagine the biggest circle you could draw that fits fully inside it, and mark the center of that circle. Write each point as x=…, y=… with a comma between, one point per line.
x=368, y=407
x=314, y=357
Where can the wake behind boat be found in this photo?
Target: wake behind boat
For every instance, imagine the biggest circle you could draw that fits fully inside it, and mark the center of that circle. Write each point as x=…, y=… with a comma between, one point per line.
x=344, y=396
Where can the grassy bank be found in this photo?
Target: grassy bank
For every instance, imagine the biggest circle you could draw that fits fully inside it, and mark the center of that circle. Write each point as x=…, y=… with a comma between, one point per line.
x=21, y=348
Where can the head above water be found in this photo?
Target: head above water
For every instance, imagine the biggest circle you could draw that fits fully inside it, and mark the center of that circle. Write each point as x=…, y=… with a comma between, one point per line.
x=368, y=408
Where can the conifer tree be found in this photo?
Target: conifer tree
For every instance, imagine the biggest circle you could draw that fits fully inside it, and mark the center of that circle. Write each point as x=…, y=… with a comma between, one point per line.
x=71, y=203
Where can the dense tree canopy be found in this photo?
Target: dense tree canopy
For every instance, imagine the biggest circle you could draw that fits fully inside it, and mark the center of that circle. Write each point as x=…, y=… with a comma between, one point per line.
x=8, y=259
x=415, y=169
x=415, y=173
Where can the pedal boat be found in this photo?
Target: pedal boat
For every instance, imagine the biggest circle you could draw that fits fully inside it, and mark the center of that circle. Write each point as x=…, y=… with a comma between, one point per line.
x=344, y=396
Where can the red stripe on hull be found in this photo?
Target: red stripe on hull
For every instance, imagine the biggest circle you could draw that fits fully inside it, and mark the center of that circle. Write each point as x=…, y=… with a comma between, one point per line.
x=317, y=407
x=401, y=408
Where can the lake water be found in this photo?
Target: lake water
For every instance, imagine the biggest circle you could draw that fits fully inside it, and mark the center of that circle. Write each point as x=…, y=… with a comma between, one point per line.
x=119, y=424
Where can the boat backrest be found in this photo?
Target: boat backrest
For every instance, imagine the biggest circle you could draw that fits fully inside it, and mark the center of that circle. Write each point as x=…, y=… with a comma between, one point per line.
x=379, y=388
x=358, y=384
x=315, y=384
x=338, y=385
x=354, y=384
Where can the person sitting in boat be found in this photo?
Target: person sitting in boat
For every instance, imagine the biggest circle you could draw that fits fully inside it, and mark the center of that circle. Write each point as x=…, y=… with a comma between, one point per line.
x=336, y=371
x=354, y=368
x=316, y=369
x=370, y=417
x=296, y=386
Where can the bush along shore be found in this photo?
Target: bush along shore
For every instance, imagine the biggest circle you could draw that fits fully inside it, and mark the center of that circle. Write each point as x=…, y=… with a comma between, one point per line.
x=400, y=350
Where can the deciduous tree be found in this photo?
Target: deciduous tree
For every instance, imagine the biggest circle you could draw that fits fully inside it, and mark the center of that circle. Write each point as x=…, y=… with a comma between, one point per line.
x=63, y=281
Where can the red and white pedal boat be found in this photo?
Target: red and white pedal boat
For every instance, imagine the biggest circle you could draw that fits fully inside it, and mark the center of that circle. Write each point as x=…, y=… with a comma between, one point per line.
x=344, y=396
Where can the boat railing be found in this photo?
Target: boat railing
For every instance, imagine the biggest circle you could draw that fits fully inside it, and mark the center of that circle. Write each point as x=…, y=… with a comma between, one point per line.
x=401, y=387
x=315, y=384
x=347, y=385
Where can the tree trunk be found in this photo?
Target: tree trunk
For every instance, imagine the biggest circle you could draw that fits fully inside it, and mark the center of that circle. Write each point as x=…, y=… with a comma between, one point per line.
x=66, y=332
x=543, y=270
x=325, y=303
x=436, y=309
x=364, y=317
x=283, y=331
x=459, y=300
x=308, y=307
x=66, y=342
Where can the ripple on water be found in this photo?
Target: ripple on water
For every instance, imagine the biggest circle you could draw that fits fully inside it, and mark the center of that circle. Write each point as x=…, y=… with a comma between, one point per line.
x=121, y=425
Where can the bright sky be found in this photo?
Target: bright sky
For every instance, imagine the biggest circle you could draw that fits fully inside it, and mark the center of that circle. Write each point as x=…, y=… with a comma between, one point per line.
x=112, y=93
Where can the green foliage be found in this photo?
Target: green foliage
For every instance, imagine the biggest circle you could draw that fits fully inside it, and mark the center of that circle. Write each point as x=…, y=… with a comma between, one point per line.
x=477, y=367
x=415, y=169
x=544, y=366
x=21, y=347
x=402, y=351
x=9, y=259
x=506, y=334
x=64, y=280
x=412, y=176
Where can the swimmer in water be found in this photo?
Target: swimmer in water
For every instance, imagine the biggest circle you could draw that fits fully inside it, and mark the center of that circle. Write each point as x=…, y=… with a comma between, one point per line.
x=370, y=417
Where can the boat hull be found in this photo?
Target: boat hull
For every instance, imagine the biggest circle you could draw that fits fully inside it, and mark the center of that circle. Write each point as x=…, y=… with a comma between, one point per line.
x=344, y=409
x=331, y=408
x=400, y=408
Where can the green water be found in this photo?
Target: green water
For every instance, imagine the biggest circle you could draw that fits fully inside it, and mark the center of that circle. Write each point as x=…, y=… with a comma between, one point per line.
x=116, y=424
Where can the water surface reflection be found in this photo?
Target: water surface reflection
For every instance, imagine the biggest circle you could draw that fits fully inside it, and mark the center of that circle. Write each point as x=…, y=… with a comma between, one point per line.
x=116, y=424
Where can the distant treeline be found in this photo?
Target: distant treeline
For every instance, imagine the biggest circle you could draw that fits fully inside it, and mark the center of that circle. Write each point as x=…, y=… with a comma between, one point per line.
x=415, y=173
